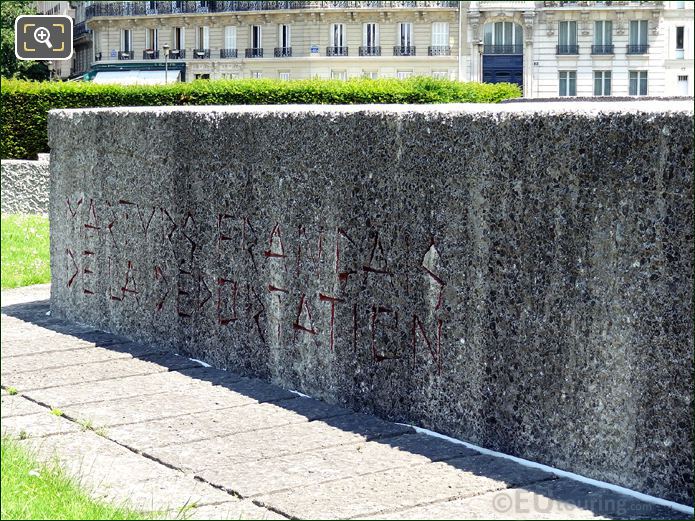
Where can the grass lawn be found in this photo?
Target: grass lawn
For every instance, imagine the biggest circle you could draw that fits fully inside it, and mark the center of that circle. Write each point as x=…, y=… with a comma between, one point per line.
x=31, y=490
x=25, y=251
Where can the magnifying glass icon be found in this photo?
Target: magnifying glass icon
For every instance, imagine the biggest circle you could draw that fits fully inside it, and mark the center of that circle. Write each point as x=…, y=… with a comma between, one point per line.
x=43, y=35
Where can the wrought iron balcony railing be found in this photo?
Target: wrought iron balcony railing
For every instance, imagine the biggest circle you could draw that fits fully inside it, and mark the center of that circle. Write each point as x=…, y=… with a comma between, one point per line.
x=567, y=49
x=125, y=55
x=254, y=52
x=439, y=50
x=183, y=7
x=229, y=53
x=602, y=49
x=150, y=54
x=503, y=49
x=370, y=51
x=79, y=30
x=638, y=49
x=201, y=54
x=336, y=51
x=177, y=54
x=605, y=4
x=283, y=52
x=404, y=50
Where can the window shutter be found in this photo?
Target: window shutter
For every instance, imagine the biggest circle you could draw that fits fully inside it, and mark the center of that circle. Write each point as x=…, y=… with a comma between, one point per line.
x=365, y=41
x=206, y=37
x=377, y=39
x=230, y=37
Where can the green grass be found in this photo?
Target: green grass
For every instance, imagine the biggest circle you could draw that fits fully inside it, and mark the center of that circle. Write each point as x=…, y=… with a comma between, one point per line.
x=25, y=251
x=31, y=490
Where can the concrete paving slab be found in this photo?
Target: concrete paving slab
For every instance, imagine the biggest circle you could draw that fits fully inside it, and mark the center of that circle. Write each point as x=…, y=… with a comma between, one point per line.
x=241, y=509
x=43, y=423
x=402, y=487
x=56, y=359
x=221, y=422
x=254, y=478
x=16, y=405
x=271, y=443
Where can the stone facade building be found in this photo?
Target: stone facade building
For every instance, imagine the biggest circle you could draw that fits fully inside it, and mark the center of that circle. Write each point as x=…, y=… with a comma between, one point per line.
x=551, y=48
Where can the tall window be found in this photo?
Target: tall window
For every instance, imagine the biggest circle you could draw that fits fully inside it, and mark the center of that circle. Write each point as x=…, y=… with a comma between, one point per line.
x=284, y=36
x=339, y=75
x=567, y=38
x=404, y=75
x=255, y=37
x=126, y=40
x=568, y=83
x=603, y=33
x=179, y=38
x=284, y=75
x=638, y=83
x=370, y=34
x=638, y=36
x=151, y=39
x=440, y=34
x=405, y=34
x=602, y=83
x=680, y=42
x=230, y=37
x=337, y=36
x=202, y=38
x=503, y=38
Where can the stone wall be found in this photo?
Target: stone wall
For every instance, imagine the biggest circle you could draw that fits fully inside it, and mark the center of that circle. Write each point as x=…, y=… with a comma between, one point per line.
x=24, y=186
x=517, y=276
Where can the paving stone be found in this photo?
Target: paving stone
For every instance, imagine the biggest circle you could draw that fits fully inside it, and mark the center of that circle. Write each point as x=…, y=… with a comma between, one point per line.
x=221, y=422
x=81, y=355
x=16, y=405
x=553, y=499
x=43, y=423
x=126, y=387
x=299, y=470
x=258, y=389
x=402, y=487
x=270, y=443
x=242, y=509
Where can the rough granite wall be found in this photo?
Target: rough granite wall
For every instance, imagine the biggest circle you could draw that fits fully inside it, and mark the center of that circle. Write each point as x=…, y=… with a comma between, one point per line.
x=24, y=186
x=517, y=276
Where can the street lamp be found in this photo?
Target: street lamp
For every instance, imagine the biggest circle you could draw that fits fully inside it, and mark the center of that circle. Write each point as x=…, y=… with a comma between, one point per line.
x=166, y=63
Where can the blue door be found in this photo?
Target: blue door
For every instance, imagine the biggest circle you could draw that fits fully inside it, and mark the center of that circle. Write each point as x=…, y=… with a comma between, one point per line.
x=498, y=68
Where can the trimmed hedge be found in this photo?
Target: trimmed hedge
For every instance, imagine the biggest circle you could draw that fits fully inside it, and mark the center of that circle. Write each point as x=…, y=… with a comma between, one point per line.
x=25, y=104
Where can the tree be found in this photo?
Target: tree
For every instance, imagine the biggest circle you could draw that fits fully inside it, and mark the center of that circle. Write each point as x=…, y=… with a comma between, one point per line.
x=10, y=66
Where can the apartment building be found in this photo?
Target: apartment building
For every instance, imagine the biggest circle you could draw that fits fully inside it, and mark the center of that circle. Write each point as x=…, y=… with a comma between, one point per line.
x=550, y=48
x=58, y=68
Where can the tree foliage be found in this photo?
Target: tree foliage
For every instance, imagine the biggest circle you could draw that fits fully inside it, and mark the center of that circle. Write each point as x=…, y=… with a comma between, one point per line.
x=10, y=66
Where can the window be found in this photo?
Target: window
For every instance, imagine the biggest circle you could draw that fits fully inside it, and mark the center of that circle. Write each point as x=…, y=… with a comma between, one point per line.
x=284, y=75
x=638, y=83
x=402, y=75
x=372, y=75
x=202, y=38
x=568, y=83
x=255, y=37
x=683, y=85
x=151, y=39
x=256, y=74
x=230, y=37
x=405, y=34
x=680, y=5
x=440, y=34
x=638, y=37
x=680, y=41
x=503, y=38
x=202, y=76
x=179, y=38
x=284, y=36
x=603, y=32
x=370, y=35
x=602, y=83
x=126, y=40
x=567, y=38
x=337, y=36
x=440, y=75
x=338, y=75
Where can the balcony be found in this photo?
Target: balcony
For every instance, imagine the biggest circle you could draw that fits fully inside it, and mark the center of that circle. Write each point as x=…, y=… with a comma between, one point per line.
x=201, y=54
x=403, y=50
x=370, y=51
x=229, y=53
x=254, y=52
x=653, y=4
x=79, y=30
x=283, y=52
x=602, y=49
x=125, y=55
x=177, y=54
x=439, y=50
x=567, y=50
x=336, y=51
x=162, y=8
x=638, y=49
x=150, y=54
x=503, y=49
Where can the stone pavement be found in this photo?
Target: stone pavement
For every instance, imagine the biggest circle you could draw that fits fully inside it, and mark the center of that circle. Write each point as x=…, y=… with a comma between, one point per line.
x=165, y=433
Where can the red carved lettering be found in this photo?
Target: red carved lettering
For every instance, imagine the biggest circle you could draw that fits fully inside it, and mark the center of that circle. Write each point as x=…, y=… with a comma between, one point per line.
x=276, y=248
x=233, y=290
x=436, y=349
x=86, y=270
x=301, y=310
x=160, y=276
x=71, y=259
x=332, y=300
x=72, y=212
